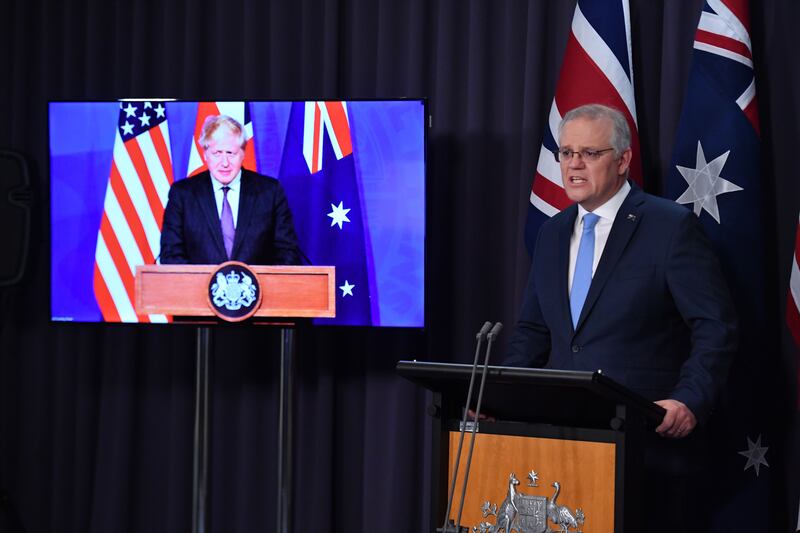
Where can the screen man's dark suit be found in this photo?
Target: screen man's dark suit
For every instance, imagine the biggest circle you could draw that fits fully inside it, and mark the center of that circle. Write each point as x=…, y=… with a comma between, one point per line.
x=264, y=231
x=658, y=317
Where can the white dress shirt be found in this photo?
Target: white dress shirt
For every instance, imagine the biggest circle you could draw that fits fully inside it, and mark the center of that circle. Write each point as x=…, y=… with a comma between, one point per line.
x=607, y=212
x=233, y=196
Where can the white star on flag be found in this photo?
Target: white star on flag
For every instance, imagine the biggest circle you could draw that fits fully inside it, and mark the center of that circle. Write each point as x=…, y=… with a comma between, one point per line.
x=347, y=288
x=338, y=215
x=705, y=183
x=145, y=119
x=130, y=111
x=755, y=454
x=160, y=111
x=127, y=128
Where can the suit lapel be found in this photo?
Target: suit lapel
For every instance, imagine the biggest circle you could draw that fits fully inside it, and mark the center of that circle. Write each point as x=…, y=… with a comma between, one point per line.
x=564, y=236
x=204, y=193
x=625, y=224
x=246, y=202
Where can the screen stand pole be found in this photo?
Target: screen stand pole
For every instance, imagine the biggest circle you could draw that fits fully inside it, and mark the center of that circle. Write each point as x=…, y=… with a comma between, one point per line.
x=285, y=414
x=200, y=467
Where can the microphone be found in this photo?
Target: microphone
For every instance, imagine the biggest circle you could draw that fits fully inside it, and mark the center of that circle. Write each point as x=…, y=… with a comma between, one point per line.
x=493, y=334
x=491, y=338
x=479, y=337
x=484, y=331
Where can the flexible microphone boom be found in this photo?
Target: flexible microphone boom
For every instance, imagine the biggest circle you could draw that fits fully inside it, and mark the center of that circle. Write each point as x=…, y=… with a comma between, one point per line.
x=491, y=337
x=479, y=337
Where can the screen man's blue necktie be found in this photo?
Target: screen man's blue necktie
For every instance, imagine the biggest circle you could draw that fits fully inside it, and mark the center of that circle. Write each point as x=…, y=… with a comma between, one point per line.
x=582, y=278
x=226, y=220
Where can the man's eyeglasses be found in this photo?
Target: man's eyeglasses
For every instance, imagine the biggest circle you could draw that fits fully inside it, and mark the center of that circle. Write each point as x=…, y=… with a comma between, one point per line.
x=565, y=154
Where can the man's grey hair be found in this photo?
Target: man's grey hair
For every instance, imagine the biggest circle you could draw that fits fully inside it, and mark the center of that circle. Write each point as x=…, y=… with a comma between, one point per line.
x=214, y=123
x=620, y=132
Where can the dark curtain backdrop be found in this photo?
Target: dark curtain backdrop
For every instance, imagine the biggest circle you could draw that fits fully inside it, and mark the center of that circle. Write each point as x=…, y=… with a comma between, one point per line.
x=96, y=421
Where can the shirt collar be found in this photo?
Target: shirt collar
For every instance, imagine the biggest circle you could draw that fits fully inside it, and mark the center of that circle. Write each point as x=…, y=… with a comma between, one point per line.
x=233, y=184
x=609, y=209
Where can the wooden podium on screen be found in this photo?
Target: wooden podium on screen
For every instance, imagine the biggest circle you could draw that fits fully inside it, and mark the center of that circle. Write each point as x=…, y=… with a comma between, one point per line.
x=288, y=291
x=566, y=444
x=263, y=294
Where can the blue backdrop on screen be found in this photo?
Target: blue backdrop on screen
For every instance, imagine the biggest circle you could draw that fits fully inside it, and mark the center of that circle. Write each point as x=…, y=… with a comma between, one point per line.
x=354, y=175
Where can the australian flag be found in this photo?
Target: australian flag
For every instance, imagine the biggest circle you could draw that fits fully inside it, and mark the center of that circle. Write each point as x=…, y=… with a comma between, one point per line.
x=318, y=172
x=715, y=172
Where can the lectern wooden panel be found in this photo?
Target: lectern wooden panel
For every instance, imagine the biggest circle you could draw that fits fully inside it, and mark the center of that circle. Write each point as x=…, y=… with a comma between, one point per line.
x=288, y=291
x=585, y=471
x=580, y=432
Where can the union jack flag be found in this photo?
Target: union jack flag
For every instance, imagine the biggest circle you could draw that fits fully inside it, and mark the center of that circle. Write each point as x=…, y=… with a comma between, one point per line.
x=133, y=209
x=318, y=173
x=236, y=110
x=597, y=68
x=320, y=117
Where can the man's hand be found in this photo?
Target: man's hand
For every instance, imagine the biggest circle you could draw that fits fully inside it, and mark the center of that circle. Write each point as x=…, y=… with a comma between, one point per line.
x=679, y=420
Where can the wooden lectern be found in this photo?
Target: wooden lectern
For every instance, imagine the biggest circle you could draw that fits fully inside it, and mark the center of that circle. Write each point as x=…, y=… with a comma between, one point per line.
x=574, y=442
x=286, y=292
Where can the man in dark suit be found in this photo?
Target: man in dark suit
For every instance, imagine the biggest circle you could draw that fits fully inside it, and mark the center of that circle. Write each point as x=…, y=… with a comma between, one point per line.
x=227, y=212
x=626, y=283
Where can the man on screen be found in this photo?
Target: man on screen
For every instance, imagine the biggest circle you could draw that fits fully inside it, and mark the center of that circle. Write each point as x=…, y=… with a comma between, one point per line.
x=227, y=212
x=627, y=283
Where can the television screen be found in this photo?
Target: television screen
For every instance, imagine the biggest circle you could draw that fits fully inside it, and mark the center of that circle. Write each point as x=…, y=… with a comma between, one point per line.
x=352, y=173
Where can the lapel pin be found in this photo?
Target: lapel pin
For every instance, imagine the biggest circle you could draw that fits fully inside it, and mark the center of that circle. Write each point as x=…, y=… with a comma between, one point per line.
x=632, y=217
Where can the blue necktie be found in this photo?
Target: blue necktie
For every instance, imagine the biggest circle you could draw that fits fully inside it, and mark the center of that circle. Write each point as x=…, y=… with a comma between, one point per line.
x=582, y=278
x=226, y=221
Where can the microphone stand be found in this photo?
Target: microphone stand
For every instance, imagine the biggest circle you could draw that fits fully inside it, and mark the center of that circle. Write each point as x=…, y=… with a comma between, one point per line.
x=446, y=528
x=491, y=337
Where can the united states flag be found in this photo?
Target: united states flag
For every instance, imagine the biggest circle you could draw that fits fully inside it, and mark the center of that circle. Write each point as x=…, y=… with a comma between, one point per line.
x=716, y=172
x=133, y=209
x=597, y=68
x=236, y=110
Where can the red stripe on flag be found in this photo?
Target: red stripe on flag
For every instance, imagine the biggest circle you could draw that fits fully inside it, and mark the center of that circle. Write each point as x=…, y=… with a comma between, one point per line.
x=120, y=263
x=117, y=256
x=740, y=9
x=131, y=215
x=550, y=192
x=341, y=128
x=572, y=92
x=793, y=318
x=793, y=322
x=204, y=110
x=163, y=154
x=751, y=112
x=317, y=139
x=103, y=297
x=720, y=41
x=145, y=178
x=792, y=311
x=249, y=161
x=797, y=246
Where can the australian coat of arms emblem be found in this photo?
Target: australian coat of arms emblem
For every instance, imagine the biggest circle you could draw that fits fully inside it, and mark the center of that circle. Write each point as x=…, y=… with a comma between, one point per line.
x=522, y=513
